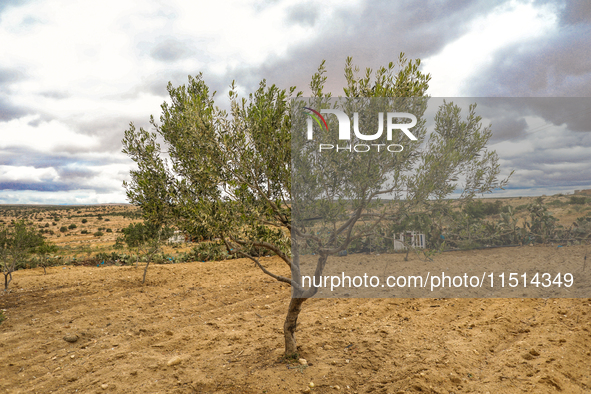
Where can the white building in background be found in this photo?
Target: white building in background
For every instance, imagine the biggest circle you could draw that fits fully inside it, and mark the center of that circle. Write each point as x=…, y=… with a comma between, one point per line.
x=411, y=238
x=177, y=238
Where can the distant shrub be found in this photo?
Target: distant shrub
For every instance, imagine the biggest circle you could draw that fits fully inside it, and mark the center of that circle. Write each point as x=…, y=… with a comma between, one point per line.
x=63, y=229
x=84, y=221
x=506, y=208
x=577, y=200
x=72, y=226
x=479, y=209
x=84, y=232
x=210, y=251
x=109, y=230
x=556, y=203
x=98, y=234
x=107, y=220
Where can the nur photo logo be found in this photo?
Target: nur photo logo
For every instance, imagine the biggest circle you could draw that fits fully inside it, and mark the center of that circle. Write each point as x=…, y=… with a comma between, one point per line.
x=392, y=123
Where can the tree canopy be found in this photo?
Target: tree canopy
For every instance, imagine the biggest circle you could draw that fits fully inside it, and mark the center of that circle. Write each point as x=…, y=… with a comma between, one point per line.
x=229, y=173
x=16, y=244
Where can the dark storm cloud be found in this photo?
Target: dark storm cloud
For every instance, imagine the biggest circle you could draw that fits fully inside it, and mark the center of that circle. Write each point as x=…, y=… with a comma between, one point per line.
x=373, y=35
x=22, y=156
x=50, y=186
x=505, y=116
x=572, y=112
x=74, y=172
x=109, y=131
x=507, y=128
x=538, y=137
x=37, y=186
x=575, y=12
x=556, y=65
x=508, y=116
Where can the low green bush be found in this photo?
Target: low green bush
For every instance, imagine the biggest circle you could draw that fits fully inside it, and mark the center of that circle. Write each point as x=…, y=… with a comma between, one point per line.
x=210, y=251
x=574, y=200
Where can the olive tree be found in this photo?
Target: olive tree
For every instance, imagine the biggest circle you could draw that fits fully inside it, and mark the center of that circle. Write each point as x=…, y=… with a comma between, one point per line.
x=43, y=251
x=145, y=236
x=230, y=172
x=16, y=244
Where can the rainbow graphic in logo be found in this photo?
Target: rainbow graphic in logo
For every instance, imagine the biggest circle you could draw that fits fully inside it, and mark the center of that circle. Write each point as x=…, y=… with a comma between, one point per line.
x=317, y=117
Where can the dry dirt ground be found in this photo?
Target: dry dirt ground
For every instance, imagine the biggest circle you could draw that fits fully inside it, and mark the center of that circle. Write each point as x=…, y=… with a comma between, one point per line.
x=220, y=325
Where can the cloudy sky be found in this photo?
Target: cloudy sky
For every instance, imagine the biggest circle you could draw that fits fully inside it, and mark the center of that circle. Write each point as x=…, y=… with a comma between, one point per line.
x=74, y=74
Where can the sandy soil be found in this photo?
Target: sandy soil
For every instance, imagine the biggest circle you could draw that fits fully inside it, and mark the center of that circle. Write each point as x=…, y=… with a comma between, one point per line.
x=223, y=320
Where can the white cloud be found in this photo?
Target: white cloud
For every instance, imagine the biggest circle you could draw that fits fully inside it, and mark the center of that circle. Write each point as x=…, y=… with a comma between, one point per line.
x=44, y=137
x=462, y=59
x=27, y=174
x=81, y=197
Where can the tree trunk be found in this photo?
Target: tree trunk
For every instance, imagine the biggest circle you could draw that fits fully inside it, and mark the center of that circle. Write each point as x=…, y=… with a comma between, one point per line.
x=6, y=281
x=290, y=325
x=145, y=270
